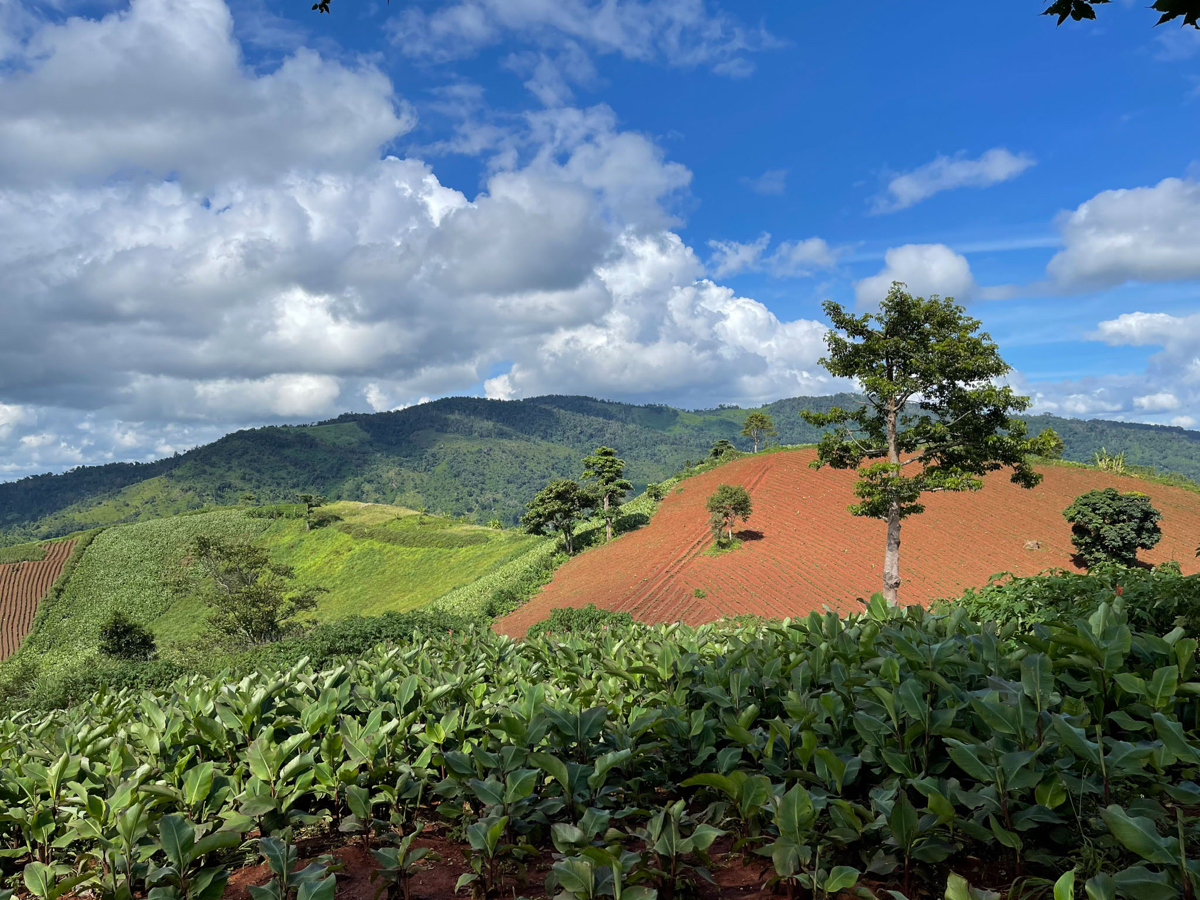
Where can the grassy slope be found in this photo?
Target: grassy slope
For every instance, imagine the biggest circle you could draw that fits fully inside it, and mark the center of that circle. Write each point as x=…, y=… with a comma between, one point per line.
x=378, y=558
x=381, y=565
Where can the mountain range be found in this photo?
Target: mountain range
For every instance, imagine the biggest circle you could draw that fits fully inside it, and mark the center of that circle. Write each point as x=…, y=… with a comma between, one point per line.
x=464, y=456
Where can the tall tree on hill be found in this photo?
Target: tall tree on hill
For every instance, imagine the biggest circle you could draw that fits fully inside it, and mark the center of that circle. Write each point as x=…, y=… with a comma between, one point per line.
x=560, y=505
x=933, y=418
x=311, y=502
x=758, y=427
x=607, y=474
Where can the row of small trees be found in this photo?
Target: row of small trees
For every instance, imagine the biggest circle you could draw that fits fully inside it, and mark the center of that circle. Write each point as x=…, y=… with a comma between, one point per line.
x=565, y=502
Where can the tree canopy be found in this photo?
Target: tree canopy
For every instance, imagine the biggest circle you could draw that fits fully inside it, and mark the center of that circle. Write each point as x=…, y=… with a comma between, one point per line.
x=758, y=427
x=1110, y=526
x=727, y=504
x=934, y=417
x=559, y=505
x=1188, y=10
x=606, y=472
x=253, y=600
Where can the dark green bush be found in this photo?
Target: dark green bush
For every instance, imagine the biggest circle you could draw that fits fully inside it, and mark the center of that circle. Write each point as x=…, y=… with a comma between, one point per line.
x=568, y=620
x=1109, y=526
x=122, y=638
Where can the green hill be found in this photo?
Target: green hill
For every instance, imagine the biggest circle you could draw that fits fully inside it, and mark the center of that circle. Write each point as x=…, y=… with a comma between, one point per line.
x=461, y=455
x=374, y=560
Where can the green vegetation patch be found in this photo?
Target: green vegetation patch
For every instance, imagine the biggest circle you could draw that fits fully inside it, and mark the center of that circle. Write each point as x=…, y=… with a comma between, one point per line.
x=133, y=569
x=22, y=553
x=906, y=747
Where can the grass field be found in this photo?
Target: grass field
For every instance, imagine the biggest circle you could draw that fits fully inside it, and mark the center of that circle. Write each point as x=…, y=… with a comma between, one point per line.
x=370, y=558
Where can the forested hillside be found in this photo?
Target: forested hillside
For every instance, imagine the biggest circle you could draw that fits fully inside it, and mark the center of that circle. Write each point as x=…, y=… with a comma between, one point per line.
x=462, y=456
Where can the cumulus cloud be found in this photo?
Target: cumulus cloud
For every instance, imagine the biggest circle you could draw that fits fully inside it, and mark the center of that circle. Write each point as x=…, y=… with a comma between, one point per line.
x=1166, y=392
x=160, y=89
x=684, y=33
x=669, y=334
x=791, y=259
x=182, y=275
x=925, y=269
x=945, y=173
x=1141, y=234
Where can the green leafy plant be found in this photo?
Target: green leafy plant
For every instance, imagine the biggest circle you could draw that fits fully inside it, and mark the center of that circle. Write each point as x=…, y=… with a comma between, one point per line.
x=1110, y=526
x=397, y=865
x=314, y=882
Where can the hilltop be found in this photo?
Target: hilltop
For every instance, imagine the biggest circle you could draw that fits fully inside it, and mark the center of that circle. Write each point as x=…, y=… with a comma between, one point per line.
x=462, y=456
x=802, y=551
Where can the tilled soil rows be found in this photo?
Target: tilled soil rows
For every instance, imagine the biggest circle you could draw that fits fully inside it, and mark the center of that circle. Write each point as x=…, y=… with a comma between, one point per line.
x=802, y=551
x=22, y=586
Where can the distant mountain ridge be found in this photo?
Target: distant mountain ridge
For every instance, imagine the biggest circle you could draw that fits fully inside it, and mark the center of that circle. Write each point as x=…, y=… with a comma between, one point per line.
x=464, y=456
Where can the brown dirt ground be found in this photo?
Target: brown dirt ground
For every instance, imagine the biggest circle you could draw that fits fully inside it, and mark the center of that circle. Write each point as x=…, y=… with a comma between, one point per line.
x=22, y=587
x=803, y=551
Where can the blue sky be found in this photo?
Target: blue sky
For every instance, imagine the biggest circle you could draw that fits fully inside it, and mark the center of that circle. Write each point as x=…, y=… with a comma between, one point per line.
x=244, y=212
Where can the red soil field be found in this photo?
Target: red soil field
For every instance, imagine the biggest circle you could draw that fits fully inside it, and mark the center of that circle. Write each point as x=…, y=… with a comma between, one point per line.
x=22, y=586
x=803, y=551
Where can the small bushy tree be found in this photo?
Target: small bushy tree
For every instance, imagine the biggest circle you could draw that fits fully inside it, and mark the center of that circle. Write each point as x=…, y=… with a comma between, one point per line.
x=122, y=638
x=559, y=505
x=721, y=448
x=253, y=599
x=607, y=474
x=727, y=504
x=656, y=491
x=758, y=427
x=1110, y=526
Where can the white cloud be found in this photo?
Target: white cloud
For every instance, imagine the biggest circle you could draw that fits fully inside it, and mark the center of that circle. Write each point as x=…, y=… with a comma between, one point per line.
x=160, y=90
x=1170, y=383
x=791, y=259
x=1142, y=234
x=731, y=257
x=667, y=334
x=925, y=269
x=682, y=33
x=260, y=287
x=1160, y=402
x=771, y=182
x=946, y=173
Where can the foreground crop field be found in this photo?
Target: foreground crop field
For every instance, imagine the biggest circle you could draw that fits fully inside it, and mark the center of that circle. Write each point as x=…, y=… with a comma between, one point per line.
x=802, y=551
x=22, y=586
x=896, y=749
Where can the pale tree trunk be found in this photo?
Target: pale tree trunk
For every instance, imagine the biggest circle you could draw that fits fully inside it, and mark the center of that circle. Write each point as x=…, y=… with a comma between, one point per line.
x=607, y=521
x=756, y=442
x=891, y=556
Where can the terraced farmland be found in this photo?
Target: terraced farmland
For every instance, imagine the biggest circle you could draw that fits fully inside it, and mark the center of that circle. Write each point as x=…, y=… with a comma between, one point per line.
x=802, y=551
x=22, y=586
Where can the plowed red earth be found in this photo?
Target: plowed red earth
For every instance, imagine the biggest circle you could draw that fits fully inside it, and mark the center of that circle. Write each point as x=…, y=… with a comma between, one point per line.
x=803, y=551
x=22, y=586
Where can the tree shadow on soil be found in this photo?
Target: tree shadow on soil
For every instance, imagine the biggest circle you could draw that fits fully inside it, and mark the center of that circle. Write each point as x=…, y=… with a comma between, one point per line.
x=749, y=535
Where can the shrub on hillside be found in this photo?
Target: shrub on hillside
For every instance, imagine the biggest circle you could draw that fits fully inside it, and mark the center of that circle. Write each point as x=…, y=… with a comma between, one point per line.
x=1156, y=601
x=656, y=491
x=123, y=638
x=728, y=503
x=568, y=620
x=1109, y=526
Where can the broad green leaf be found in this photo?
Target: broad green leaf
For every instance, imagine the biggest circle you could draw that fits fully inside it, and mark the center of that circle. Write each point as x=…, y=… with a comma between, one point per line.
x=842, y=878
x=1064, y=888
x=1138, y=834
